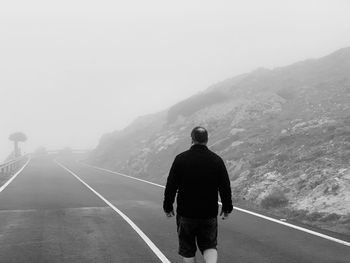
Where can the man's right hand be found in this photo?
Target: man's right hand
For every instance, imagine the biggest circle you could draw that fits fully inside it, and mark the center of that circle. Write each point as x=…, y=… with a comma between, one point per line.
x=170, y=214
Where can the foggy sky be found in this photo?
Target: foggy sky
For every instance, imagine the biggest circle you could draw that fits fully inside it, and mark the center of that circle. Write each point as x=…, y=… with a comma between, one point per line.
x=72, y=70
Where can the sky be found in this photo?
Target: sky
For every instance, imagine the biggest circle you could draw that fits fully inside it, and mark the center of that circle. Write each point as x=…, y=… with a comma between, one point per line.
x=72, y=70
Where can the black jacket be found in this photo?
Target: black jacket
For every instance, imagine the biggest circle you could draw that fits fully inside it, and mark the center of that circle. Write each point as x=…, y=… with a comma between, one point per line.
x=197, y=176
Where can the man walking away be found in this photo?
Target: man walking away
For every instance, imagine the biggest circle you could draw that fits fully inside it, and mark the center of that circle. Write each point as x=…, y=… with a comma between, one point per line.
x=197, y=176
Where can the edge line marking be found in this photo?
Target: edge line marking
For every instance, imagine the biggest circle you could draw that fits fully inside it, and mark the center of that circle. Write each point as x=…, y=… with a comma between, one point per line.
x=2, y=188
x=128, y=176
x=242, y=210
x=145, y=238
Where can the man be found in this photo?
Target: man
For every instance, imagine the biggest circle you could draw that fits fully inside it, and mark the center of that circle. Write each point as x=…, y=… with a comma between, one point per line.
x=197, y=176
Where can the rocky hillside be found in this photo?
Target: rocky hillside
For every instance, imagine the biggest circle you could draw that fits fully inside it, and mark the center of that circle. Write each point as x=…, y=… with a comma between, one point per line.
x=284, y=134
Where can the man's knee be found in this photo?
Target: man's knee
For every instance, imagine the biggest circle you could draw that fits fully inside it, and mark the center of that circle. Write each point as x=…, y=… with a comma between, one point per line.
x=210, y=255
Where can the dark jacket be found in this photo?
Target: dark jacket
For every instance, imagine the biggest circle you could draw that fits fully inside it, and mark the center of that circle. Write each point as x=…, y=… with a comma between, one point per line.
x=197, y=176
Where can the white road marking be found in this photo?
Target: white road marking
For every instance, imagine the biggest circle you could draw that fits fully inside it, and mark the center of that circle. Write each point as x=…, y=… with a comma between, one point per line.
x=296, y=227
x=128, y=176
x=14, y=176
x=245, y=211
x=151, y=245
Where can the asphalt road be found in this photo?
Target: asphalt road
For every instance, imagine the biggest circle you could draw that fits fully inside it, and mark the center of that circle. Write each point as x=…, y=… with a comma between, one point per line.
x=48, y=215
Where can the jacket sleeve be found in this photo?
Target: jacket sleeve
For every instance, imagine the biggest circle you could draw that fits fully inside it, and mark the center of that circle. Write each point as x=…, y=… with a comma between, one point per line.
x=171, y=187
x=225, y=188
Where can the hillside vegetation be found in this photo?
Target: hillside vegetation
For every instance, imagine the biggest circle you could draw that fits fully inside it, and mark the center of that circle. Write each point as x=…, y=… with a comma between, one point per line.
x=284, y=135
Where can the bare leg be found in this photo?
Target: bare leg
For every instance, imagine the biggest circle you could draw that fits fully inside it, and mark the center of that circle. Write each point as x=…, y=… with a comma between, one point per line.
x=190, y=260
x=210, y=255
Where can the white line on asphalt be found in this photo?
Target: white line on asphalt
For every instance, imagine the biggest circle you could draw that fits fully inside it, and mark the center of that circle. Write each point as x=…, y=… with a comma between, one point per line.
x=245, y=211
x=152, y=246
x=14, y=176
x=296, y=227
x=128, y=176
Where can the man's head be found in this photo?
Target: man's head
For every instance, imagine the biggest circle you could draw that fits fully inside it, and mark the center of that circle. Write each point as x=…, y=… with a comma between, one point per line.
x=199, y=135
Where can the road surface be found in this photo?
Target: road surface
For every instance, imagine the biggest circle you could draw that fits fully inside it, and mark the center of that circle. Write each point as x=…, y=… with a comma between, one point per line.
x=53, y=212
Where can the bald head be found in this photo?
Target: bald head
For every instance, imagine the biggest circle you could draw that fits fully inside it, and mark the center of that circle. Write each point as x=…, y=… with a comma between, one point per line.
x=199, y=135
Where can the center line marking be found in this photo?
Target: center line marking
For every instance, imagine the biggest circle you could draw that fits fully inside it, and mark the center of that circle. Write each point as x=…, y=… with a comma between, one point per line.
x=145, y=238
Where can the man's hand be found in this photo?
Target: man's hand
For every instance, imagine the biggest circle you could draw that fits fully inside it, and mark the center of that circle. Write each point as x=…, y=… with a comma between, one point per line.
x=224, y=215
x=170, y=214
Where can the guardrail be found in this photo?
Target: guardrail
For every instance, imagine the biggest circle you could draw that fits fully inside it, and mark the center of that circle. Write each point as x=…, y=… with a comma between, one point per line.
x=12, y=166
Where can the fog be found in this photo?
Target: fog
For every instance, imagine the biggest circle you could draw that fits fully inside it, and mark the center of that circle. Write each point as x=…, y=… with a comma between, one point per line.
x=73, y=70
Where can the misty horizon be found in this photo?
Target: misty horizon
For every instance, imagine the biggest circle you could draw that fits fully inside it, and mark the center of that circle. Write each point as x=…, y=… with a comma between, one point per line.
x=72, y=72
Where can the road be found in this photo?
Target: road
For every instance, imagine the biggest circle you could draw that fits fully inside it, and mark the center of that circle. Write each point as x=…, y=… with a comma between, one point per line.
x=48, y=213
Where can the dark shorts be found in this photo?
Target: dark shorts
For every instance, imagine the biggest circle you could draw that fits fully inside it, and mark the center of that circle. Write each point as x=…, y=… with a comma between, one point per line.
x=196, y=232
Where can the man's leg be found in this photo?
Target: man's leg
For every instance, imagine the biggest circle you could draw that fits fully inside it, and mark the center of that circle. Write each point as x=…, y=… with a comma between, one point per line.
x=207, y=240
x=187, y=239
x=190, y=260
x=210, y=255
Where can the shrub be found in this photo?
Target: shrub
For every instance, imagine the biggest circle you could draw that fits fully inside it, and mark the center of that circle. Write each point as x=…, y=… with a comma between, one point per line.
x=335, y=187
x=345, y=219
x=283, y=157
x=286, y=93
x=300, y=214
x=261, y=159
x=330, y=217
x=312, y=156
x=274, y=200
x=314, y=216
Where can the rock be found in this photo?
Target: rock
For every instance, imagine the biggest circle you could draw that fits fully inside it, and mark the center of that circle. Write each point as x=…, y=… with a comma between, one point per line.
x=235, y=131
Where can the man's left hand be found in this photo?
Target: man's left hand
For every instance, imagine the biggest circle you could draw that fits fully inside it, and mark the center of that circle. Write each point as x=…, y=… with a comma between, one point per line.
x=224, y=215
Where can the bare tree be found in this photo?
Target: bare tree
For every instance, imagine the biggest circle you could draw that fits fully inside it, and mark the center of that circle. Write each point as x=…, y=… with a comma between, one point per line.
x=17, y=137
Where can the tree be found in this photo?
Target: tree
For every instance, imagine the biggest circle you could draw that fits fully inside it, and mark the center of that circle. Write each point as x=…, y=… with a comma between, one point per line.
x=17, y=137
